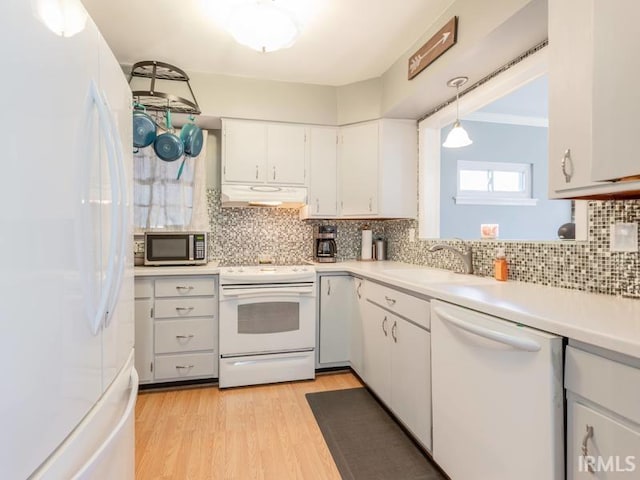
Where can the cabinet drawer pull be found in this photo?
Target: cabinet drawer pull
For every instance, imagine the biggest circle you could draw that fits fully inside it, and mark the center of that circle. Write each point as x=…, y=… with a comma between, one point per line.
x=274, y=172
x=384, y=324
x=183, y=367
x=567, y=165
x=317, y=206
x=393, y=332
x=184, y=337
x=257, y=167
x=181, y=288
x=390, y=301
x=184, y=309
x=585, y=448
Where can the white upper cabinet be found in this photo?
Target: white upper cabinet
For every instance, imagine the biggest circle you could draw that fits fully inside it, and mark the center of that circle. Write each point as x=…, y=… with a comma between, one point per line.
x=244, y=151
x=323, y=175
x=286, y=162
x=378, y=169
x=255, y=152
x=359, y=169
x=593, y=101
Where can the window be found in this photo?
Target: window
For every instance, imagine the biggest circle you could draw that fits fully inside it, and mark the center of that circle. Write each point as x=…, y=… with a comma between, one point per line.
x=494, y=183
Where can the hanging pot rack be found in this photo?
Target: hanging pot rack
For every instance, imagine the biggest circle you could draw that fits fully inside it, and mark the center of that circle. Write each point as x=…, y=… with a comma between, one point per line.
x=156, y=101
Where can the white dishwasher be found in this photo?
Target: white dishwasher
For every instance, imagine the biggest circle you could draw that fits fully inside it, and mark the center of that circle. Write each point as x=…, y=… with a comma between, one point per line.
x=498, y=410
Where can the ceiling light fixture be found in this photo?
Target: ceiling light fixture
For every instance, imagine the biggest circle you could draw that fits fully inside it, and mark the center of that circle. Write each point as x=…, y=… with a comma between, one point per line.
x=263, y=26
x=458, y=136
x=65, y=18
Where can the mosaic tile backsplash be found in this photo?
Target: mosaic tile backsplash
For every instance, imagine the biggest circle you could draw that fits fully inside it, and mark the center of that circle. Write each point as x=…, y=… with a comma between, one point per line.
x=239, y=235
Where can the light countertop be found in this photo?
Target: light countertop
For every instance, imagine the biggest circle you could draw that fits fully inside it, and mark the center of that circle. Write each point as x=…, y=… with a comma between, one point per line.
x=603, y=320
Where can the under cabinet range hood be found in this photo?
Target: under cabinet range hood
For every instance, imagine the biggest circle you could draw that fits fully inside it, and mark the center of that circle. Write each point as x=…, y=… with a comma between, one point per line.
x=263, y=196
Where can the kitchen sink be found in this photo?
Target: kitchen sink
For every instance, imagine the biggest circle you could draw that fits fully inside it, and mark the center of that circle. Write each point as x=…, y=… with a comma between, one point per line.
x=419, y=275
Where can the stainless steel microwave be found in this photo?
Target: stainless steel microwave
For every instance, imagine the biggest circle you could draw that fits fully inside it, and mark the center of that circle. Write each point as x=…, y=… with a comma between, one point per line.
x=175, y=248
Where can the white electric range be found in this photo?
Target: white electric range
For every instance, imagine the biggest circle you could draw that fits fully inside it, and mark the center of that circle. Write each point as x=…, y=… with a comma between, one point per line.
x=267, y=324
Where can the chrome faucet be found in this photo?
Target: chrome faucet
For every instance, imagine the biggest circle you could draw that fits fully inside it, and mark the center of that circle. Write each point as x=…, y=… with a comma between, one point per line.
x=465, y=255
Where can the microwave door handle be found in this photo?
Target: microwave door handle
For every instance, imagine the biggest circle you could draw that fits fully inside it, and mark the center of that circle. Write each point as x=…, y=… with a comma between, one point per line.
x=191, y=253
x=103, y=121
x=124, y=218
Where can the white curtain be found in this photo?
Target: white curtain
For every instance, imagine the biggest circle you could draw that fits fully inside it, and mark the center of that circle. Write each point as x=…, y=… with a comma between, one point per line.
x=161, y=201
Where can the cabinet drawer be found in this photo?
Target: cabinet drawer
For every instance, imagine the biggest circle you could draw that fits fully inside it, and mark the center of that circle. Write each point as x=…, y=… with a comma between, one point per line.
x=415, y=309
x=600, y=380
x=185, y=286
x=143, y=288
x=185, y=335
x=185, y=307
x=186, y=366
x=611, y=446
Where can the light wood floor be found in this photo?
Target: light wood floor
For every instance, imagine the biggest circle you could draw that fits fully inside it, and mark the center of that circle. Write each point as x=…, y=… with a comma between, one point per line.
x=263, y=432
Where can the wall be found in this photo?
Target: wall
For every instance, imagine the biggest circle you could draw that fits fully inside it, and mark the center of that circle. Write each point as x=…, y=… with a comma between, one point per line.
x=495, y=142
x=238, y=235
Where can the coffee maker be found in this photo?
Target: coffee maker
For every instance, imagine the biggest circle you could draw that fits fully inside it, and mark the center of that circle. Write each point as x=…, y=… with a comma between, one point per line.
x=325, y=243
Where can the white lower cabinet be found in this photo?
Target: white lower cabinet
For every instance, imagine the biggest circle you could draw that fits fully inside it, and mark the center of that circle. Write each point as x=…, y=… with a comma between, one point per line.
x=603, y=416
x=396, y=358
x=356, y=332
x=335, y=307
x=143, y=343
x=176, y=328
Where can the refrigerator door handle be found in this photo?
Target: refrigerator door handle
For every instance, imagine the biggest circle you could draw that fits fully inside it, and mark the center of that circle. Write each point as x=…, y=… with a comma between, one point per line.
x=525, y=344
x=122, y=200
x=105, y=294
x=85, y=471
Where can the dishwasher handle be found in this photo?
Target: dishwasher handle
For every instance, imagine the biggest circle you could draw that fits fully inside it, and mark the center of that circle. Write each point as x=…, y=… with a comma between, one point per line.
x=525, y=344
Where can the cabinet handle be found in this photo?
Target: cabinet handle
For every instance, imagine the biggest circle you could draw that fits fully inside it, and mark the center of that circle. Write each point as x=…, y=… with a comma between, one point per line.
x=370, y=204
x=184, y=337
x=184, y=309
x=317, y=206
x=567, y=165
x=384, y=323
x=181, y=288
x=274, y=172
x=393, y=331
x=358, y=290
x=585, y=449
x=180, y=367
x=390, y=301
x=328, y=287
x=257, y=167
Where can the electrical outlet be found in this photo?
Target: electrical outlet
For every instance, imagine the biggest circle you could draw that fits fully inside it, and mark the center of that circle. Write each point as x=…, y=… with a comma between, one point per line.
x=412, y=235
x=624, y=237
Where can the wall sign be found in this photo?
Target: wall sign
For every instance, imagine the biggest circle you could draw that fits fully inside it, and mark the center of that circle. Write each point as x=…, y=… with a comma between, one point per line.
x=435, y=46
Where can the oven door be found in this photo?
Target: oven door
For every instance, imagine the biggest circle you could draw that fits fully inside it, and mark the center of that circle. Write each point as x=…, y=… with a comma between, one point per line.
x=263, y=319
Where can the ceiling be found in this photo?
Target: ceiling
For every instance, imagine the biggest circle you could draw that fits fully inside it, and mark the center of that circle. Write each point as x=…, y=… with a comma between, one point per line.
x=530, y=100
x=342, y=41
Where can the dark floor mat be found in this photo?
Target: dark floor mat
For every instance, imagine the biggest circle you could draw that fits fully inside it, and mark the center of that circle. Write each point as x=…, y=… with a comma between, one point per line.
x=365, y=442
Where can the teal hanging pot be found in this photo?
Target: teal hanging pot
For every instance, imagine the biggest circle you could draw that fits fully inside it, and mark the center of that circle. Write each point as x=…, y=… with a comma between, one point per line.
x=168, y=147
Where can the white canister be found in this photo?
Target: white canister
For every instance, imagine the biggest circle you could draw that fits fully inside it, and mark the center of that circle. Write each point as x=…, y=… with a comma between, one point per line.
x=367, y=242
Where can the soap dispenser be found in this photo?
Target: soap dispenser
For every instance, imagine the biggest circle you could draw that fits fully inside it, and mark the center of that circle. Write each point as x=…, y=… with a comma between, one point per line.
x=501, y=272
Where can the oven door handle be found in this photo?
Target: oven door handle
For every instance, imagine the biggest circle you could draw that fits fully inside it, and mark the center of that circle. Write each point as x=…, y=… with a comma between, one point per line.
x=267, y=292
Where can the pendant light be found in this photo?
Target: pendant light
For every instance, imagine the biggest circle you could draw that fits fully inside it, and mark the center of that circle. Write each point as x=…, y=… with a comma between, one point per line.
x=458, y=136
x=263, y=26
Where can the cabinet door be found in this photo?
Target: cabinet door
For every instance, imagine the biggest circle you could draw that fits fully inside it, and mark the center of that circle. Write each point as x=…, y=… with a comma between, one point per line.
x=599, y=446
x=323, y=191
x=377, y=350
x=335, y=308
x=356, y=337
x=144, y=339
x=244, y=147
x=286, y=161
x=616, y=99
x=570, y=95
x=411, y=377
x=359, y=169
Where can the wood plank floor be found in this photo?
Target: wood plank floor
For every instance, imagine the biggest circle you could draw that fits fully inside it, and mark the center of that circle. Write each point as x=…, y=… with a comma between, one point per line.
x=263, y=432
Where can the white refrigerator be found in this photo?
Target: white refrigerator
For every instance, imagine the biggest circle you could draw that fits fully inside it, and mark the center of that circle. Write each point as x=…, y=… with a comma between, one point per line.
x=66, y=266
